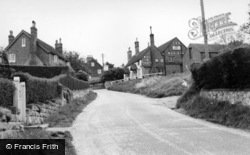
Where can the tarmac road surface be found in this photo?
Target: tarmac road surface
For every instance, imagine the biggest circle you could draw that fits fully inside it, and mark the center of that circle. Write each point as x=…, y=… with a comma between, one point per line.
x=128, y=124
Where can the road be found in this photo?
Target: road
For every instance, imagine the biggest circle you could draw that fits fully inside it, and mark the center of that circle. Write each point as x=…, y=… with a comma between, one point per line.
x=128, y=124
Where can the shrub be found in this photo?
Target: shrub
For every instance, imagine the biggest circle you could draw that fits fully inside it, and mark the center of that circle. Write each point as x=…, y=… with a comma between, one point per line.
x=230, y=70
x=81, y=75
x=39, y=89
x=71, y=82
x=6, y=92
x=113, y=74
x=39, y=71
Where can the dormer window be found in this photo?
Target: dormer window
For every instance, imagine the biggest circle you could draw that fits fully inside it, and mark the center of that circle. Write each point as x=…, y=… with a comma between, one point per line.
x=23, y=42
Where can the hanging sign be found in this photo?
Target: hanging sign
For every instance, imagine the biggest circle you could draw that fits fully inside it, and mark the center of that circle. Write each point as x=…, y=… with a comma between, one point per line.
x=215, y=26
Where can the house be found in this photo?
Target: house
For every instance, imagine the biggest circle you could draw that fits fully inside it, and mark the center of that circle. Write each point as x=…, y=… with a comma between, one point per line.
x=147, y=61
x=27, y=50
x=196, y=53
x=95, y=68
x=173, y=52
x=166, y=59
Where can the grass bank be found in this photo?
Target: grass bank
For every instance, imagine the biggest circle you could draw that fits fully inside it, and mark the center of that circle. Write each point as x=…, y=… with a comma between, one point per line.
x=221, y=112
x=156, y=87
x=65, y=116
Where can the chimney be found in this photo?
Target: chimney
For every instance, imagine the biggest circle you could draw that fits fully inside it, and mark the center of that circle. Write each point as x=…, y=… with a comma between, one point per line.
x=152, y=41
x=129, y=54
x=11, y=37
x=33, y=32
x=89, y=58
x=136, y=46
x=58, y=46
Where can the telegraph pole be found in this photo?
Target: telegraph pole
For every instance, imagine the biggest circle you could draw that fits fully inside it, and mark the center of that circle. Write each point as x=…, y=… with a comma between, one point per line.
x=204, y=30
x=103, y=61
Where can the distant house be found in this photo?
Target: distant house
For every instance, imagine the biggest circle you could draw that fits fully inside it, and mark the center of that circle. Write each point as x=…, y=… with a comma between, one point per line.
x=95, y=68
x=27, y=50
x=196, y=53
x=173, y=51
x=166, y=59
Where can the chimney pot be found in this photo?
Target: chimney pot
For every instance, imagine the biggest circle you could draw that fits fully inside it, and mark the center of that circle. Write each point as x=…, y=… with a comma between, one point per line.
x=33, y=23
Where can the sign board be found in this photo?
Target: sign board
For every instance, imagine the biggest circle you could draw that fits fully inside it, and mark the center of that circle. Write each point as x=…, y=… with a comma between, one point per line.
x=215, y=26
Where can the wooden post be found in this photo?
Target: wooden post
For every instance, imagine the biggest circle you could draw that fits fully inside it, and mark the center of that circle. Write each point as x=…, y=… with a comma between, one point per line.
x=204, y=30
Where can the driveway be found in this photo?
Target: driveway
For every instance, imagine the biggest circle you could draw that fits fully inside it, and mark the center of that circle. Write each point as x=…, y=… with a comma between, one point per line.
x=128, y=124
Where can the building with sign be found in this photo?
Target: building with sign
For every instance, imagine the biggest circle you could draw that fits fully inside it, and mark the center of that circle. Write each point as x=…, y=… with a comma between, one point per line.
x=166, y=59
x=195, y=53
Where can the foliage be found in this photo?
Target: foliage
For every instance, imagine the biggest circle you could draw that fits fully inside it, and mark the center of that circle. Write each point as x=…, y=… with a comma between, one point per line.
x=71, y=82
x=110, y=65
x=39, y=89
x=236, y=115
x=67, y=114
x=38, y=71
x=156, y=87
x=7, y=89
x=113, y=74
x=77, y=62
x=230, y=70
x=81, y=75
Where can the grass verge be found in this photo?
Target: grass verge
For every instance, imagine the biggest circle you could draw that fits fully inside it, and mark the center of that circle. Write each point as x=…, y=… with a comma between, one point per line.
x=65, y=116
x=221, y=112
x=156, y=87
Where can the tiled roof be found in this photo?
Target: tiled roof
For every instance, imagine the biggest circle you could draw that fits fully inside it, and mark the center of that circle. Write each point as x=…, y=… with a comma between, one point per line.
x=211, y=47
x=40, y=43
x=165, y=45
x=137, y=57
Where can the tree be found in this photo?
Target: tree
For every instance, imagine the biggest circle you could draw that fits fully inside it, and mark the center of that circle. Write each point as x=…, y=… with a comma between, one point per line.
x=77, y=62
x=113, y=74
x=81, y=75
x=110, y=65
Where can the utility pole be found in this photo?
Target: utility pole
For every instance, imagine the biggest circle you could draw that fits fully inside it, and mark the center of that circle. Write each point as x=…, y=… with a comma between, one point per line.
x=204, y=30
x=103, y=61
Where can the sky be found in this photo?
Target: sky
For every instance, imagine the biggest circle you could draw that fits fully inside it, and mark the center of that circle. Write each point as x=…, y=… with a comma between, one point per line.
x=93, y=27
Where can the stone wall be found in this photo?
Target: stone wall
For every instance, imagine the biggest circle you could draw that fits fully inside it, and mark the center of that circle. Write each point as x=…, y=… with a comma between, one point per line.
x=233, y=97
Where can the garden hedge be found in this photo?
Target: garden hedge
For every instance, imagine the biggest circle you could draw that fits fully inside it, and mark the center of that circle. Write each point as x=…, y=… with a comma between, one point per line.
x=7, y=89
x=38, y=71
x=230, y=70
x=39, y=89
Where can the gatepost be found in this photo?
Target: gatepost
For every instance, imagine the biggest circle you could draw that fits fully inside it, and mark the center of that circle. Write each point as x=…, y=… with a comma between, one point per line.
x=20, y=98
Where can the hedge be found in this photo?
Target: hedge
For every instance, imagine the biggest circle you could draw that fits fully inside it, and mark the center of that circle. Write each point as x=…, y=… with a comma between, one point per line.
x=230, y=70
x=7, y=89
x=71, y=82
x=39, y=89
x=38, y=71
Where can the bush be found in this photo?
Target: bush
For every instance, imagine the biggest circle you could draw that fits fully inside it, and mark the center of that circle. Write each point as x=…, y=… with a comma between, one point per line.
x=39, y=89
x=39, y=71
x=7, y=89
x=81, y=75
x=113, y=74
x=71, y=82
x=230, y=70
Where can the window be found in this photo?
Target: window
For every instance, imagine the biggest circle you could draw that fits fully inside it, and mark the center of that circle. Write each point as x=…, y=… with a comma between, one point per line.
x=99, y=71
x=92, y=64
x=23, y=42
x=12, y=57
x=161, y=60
x=156, y=60
x=171, y=59
x=1, y=60
x=176, y=48
x=55, y=58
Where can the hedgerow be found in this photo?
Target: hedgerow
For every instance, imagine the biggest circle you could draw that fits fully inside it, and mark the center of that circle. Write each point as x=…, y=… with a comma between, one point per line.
x=7, y=89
